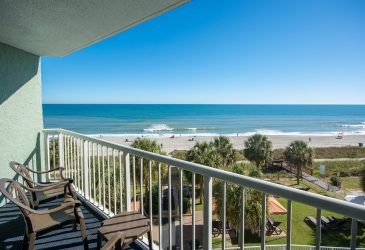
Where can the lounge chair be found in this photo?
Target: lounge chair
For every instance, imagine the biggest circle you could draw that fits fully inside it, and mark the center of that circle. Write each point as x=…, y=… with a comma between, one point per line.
x=273, y=227
x=43, y=192
x=217, y=228
x=42, y=221
x=312, y=222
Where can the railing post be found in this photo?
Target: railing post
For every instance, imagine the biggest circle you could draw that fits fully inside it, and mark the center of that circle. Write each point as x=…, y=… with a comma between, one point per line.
x=127, y=181
x=263, y=222
x=60, y=150
x=318, y=229
x=242, y=218
x=46, y=154
x=207, y=233
x=289, y=225
x=86, y=170
x=353, y=233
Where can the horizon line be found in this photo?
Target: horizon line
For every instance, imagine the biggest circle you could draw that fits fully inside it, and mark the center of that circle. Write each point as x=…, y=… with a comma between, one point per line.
x=299, y=104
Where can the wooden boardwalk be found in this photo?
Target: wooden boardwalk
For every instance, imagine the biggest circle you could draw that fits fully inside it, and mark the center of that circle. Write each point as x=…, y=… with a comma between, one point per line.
x=310, y=178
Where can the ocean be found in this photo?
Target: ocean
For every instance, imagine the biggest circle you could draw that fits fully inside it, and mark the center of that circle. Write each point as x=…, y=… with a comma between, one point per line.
x=156, y=120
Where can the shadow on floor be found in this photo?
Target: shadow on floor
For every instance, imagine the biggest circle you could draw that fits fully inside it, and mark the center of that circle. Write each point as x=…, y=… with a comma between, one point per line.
x=12, y=230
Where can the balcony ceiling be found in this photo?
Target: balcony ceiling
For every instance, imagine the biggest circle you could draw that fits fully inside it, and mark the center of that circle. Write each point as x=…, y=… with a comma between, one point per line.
x=60, y=27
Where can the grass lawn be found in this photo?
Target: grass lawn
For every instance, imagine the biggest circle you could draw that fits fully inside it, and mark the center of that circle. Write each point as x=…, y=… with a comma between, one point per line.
x=334, y=167
x=301, y=232
x=351, y=183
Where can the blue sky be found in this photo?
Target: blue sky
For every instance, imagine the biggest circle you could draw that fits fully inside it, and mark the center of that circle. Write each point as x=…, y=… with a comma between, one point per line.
x=219, y=51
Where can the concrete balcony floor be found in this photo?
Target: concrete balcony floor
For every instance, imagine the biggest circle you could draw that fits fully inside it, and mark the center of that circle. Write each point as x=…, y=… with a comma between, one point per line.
x=12, y=230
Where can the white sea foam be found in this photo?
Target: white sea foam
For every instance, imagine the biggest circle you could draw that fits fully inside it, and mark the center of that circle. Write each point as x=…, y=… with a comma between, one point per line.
x=158, y=127
x=362, y=125
x=264, y=132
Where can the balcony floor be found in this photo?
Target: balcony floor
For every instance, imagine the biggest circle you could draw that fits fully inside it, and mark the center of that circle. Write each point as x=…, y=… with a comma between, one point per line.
x=12, y=230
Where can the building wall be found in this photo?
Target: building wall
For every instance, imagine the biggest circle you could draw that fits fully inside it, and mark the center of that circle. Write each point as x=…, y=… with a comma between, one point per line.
x=21, y=120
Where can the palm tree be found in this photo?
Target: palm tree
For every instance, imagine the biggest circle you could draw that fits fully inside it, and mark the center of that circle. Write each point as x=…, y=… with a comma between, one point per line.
x=300, y=155
x=253, y=204
x=258, y=149
x=202, y=153
x=150, y=146
x=225, y=149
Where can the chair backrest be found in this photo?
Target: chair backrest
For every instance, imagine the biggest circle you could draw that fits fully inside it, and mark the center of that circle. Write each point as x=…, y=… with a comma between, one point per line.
x=23, y=171
x=14, y=192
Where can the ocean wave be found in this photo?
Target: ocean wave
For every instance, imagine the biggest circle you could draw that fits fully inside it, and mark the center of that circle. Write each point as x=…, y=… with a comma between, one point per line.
x=243, y=134
x=158, y=127
x=362, y=125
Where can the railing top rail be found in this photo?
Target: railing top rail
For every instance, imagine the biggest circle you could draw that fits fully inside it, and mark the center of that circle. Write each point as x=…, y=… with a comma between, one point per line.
x=319, y=201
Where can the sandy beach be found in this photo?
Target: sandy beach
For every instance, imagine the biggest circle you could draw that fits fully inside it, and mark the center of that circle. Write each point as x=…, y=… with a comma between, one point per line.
x=279, y=141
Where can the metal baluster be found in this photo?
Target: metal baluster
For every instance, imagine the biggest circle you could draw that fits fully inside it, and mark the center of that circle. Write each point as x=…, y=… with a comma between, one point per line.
x=86, y=170
x=103, y=182
x=94, y=178
x=127, y=182
x=99, y=180
x=54, y=155
x=181, y=210
x=159, y=206
x=120, y=182
x=223, y=215
x=89, y=144
x=242, y=225
x=318, y=229
x=289, y=225
x=150, y=194
x=207, y=220
x=353, y=233
x=170, y=208
x=72, y=165
x=66, y=156
x=60, y=150
x=134, y=183
x=141, y=186
x=114, y=183
x=109, y=194
x=47, y=156
x=263, y=221
x=77, y=178
x=193, y=212
x=82, y=166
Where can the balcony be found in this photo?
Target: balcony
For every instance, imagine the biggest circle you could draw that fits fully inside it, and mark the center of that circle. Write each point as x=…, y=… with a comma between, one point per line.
x=111, y=178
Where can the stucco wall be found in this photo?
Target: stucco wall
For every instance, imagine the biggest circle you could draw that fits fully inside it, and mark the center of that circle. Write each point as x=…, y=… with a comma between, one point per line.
x=21, y=120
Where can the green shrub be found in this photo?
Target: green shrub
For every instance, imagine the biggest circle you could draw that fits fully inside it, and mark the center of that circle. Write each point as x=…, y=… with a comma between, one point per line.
x=186, y=205
x=344, y=168
x=335, y=180
x=146, y=200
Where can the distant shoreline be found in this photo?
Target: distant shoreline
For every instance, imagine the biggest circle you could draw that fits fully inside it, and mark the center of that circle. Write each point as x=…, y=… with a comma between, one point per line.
x=279, y=141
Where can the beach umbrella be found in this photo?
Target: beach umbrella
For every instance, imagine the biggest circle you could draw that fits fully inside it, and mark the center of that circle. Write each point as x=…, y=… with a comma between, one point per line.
x=275, y=207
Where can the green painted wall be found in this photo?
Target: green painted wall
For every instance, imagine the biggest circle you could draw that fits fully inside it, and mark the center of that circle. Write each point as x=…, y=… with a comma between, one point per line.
x=21, y=120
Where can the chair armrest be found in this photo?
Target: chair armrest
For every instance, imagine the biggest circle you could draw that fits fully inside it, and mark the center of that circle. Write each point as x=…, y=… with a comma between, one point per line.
x=42, y=172
x=117, y=238
x=42, y=188
x=59, y=208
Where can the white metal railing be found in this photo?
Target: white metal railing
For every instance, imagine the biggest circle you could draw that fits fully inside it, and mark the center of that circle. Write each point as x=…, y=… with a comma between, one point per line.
x=103, y=172
x=293, y=247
